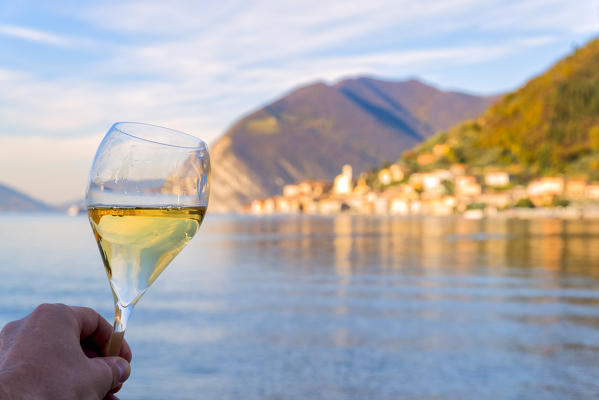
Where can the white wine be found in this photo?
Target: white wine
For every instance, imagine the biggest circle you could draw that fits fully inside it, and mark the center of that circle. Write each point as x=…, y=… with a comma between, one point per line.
x=138, y=243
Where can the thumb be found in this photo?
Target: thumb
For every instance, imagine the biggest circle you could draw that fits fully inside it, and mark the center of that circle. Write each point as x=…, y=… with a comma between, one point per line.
x=108, y=373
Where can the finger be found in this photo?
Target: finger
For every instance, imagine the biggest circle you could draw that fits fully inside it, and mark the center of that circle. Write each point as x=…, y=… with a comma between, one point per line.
x=93, y=328
x=116, y=389
x=96, y=331
x=126, y=351
x=89, y=352
x=107, y=373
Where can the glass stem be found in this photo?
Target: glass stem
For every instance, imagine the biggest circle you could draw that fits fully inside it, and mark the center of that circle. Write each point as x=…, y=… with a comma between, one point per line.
x=121, y=316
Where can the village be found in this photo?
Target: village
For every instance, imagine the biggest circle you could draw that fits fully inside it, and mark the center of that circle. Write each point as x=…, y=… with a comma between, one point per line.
x=439, y=192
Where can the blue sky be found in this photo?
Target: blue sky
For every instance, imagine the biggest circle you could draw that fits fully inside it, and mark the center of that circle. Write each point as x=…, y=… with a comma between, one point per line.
x=69, y=69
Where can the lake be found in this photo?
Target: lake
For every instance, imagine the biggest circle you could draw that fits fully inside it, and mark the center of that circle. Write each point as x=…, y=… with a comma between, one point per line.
x=345, y=307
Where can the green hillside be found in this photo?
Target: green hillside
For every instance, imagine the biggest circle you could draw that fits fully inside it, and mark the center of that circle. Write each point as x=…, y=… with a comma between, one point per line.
x=549, y=126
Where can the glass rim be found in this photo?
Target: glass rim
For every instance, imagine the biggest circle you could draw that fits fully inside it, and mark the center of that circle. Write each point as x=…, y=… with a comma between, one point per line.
x=117, y=126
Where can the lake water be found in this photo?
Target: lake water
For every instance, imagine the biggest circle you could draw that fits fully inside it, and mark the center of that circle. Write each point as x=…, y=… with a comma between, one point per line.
x=343, y=307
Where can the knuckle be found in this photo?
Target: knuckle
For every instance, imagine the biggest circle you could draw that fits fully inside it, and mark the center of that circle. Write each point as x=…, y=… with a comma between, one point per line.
x=43, y=308
x=10, y=328
x=63, y=308
x=88, y=310
x=48, y=308
x=50, y=312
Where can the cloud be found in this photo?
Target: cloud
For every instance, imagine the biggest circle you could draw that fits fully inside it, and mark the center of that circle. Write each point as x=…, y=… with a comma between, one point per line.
x=201, y=95
x=212, y=47
x=239, y=22
x=536, y=15
x=70, y=107
x=34, y=35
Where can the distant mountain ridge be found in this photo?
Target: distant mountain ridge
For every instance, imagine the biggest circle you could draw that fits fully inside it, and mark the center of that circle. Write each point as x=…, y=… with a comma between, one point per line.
x=12, y=200
x=311, y=132
x=549, y=126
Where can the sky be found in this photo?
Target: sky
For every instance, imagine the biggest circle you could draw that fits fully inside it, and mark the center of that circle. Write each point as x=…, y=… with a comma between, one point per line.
x=70, y=69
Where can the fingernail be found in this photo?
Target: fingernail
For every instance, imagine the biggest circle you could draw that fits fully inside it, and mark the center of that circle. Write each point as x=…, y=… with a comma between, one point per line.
x=124, y=369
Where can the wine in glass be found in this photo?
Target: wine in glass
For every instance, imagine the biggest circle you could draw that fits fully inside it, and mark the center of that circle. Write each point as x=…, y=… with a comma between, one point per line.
x=146, y=198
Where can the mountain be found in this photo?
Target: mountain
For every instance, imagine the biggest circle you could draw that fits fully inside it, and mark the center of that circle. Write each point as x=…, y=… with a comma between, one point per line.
x=14, y=201
x=549, y=126
x=311, y=132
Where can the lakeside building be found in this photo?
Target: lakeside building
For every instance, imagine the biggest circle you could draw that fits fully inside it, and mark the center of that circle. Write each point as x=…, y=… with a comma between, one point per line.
x=467, y=186
x=542, y=191
x=343, y=182
x=330, y=206
x=497, y=200
x=311, y=188
x=397, y=172
x=546, y=186
x=399, y=206
x=439, y=192
x=592, y=191
x=458, y=169
x=576, y=188
x=361, y=188
x=497, y=179
x=384, y=176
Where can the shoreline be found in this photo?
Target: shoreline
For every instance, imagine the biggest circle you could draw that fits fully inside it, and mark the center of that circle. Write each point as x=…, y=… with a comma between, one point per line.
x=570, y=213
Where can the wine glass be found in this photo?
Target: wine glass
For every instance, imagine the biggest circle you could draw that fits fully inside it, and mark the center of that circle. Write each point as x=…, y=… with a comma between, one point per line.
x=146, y=197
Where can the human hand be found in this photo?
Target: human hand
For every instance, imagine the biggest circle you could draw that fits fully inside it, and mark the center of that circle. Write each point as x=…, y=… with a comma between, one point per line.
x=56, y=352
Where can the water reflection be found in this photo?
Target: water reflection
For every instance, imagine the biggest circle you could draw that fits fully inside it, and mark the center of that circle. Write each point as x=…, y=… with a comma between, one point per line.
x=342, y=243
x=342, y=307
x=452, y=244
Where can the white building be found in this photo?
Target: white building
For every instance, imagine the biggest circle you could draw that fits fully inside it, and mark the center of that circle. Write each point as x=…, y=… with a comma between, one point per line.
x=343, y=182
x=550, y=186
x=497, y=179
